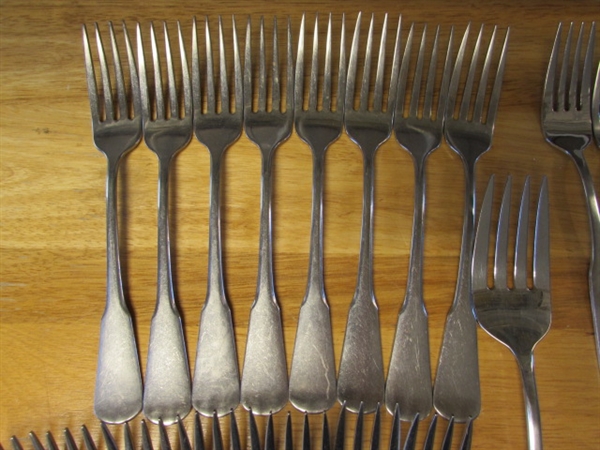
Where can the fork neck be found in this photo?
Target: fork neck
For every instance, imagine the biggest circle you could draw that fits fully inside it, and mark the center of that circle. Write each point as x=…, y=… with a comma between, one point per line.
x=316, y=285
x=266, y=287
x=215, y=287
x=113, y=264
x=165, y=276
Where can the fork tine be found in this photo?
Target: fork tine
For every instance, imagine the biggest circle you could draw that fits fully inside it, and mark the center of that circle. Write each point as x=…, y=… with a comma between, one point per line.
x=262, y=75
x=327, y=71
x=69, y=441
x=254, y=438
x=144, y=94
x=289, y=95
x=87, y=439
x=376, y=434
x=210, y=75
x=396, y=433
x=342, y=69
x=146, y=440
x=90, y=76
x=172, y=89
x=378, y=93
x=198, y=435
x=340, y=433
x=37, y=445
x=468, y=436
x=16, y=445
x=455, y=80
x=305, y=433
x=299, y=85
x=482, y=240
x=118, y=73
x=128, y=438
x=325, y=440
x=446, y=75
x=447, y=441
x=276, y=81
x=541, y=256
x=403, y=75
x=495, y=97
x=430, y=438
x=196, y=77
x=501, y=254
x=160, y=106
x=217, y=438
x=561, y=102
x=133, y=74
x=184, y=441
x=352, y=66
x=109, y=439
x=289, y=440
x=358, y=433
x=106, y=86
x=586, y=77
x=237, y=70
x=51, y=442
x=478, y=109
x=165, y=444
x=234, y=432
x=270, y=434
x=416, y=88
x=429, y=88
x=466, y=96
x=223, y=71
x=364, y=91
x=411, y=437
x=248, y=68
x=520, y=270
x=572, y=98
x=314, y=68
x=549, y=101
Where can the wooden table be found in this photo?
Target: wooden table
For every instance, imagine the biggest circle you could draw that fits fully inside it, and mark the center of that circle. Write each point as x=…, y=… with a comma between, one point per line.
x=53, y=221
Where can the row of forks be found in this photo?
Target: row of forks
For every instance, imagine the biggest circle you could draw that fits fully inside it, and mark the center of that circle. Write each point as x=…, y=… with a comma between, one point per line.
x=168, y=127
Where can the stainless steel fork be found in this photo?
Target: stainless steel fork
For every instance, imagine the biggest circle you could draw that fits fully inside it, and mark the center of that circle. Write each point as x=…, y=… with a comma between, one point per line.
x=420, y=132
x=312, y=378
x=567, y=125
x=361, y=379
x=216, y=385
x=264, y=378
x=456, y=389
x=118, y=392
x=518, y=317
x=167, y=393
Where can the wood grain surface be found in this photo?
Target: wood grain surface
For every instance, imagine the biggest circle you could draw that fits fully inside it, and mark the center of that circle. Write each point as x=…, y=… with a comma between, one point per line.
x=52, y=221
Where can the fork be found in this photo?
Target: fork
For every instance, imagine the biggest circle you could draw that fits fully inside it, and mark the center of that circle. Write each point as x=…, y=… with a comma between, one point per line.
x=167, y=393
x=456, y=389
x=567, y=125
x=596, y=108
x=312, y=377
x=361, y=379
x=118, y=392
x=216, y=384
x=518, y=317
x=409, y=377
x=264, y=378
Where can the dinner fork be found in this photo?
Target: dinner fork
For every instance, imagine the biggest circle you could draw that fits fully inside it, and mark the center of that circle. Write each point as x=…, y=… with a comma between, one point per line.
x=264, y=378
x=567, y=125
x=361, y=379
x=118, y=391
x=216, y=384
x=518, y=317
x=420, y=132
x=456, y=390
x=167, y=393
x=312, y=378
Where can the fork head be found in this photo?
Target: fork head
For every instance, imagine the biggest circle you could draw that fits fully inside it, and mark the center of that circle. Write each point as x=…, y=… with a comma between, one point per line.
x=217, y=130
x=421, y=132
x=319, y=127
x=519, y=317
x=470, y=134
x=117, y=124
x=367, y=126
x=167, y=125
x=566, y=118
x=266, y=127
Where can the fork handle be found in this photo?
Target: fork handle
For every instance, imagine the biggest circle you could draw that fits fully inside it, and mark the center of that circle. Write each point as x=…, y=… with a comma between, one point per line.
x=532, y=407
x=594, y=214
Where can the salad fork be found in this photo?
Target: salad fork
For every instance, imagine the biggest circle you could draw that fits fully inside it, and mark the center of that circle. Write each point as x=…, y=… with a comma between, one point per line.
x=216, y=384
x=264, y=386
x=567, y=125
x=167, y=393
x=456, y=390
x=408, y=382
x=518, y=317
x=361, y=379
x=312, y=378
x=118, y=391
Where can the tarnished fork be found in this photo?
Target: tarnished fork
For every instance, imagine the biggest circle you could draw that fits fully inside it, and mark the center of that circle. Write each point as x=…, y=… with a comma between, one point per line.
x=567, y=125
x=216, y=384
x=312, y=378
x=117, y=128
x=419, y=129
x=167, y=130
x=361, y=378
x=264, y=387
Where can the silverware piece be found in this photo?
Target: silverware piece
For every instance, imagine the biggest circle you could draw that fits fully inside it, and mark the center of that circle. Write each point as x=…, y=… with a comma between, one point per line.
x=167, y=392
x=361, y=378
x=596, y=108
x=419, y=129
x=216, y=383
x=567, y=125
x=312, y=378
x=117, y=129
x=518, y=317
x=456, y=389
x=264, y=386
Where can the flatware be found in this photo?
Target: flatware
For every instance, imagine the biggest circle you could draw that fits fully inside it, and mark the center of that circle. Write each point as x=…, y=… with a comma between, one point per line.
x=312, y=378
x=167, y=391
x=518, y=317
x=567, y=125
x=456, y=389
x=265, y=386
x=216, y=383
x=361, y=378
x=118, y=392
x=419, y=130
